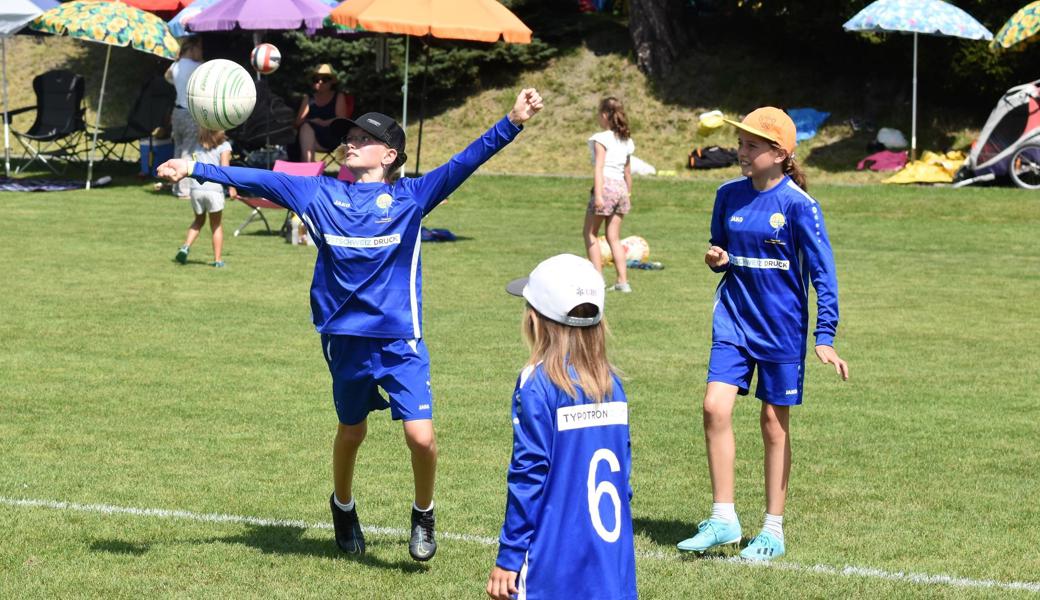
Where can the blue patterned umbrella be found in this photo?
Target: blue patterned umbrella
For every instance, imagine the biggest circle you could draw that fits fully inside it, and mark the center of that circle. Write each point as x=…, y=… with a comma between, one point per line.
x=930, y=17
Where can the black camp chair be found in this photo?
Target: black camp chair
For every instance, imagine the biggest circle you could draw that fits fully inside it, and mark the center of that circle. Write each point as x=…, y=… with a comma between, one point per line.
x=59, y=125
x=150, y=111
x=267, y=131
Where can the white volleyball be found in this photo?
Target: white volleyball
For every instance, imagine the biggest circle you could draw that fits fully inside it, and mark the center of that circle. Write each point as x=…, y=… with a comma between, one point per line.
x=635, y=247
x=265, y=59
x=221, y=94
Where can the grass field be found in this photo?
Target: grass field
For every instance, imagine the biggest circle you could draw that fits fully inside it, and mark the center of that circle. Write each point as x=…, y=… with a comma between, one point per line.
x=129, y=382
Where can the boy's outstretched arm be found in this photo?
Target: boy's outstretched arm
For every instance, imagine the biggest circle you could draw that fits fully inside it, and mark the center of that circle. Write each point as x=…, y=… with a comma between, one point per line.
x=290, y=191
x=432, y=188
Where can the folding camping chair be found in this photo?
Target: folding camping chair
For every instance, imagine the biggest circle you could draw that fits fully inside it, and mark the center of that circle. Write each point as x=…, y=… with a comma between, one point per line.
x=150, y=111
x=59, y=125
x=268, y=129
x=310, y=169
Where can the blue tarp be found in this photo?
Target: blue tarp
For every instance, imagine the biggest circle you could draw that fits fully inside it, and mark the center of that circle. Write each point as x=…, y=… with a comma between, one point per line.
x=807, y=121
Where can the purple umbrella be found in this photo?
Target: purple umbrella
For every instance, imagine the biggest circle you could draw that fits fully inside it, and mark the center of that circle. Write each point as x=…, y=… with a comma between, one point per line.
x=226, y=15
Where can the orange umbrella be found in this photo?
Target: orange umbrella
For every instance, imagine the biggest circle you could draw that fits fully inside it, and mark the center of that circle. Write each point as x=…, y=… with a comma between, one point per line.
x=474, y=20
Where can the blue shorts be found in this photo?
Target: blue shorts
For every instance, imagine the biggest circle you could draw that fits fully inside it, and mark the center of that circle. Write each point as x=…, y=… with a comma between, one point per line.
x=361, y=365
x=778, y=383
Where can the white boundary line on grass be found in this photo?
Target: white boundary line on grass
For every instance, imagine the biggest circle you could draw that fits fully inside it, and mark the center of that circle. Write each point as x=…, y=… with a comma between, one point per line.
x=846, y=571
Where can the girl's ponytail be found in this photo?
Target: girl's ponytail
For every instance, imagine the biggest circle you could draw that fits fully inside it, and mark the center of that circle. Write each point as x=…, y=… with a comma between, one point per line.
x=792, y=170
x=616, y=118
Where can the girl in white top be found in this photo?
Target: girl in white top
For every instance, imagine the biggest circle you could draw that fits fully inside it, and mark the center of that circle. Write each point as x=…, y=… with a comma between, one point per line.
x=610, y=199
x=211, y=148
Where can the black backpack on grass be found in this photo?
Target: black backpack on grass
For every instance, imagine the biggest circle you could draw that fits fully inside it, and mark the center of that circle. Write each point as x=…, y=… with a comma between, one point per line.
x=712, y=157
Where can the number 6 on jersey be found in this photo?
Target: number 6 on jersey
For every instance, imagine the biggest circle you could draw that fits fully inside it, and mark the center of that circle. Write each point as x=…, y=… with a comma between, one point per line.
x=604, y=487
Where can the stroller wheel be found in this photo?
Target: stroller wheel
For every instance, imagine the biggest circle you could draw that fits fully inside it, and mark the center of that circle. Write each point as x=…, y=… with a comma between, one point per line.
x=1025, y=167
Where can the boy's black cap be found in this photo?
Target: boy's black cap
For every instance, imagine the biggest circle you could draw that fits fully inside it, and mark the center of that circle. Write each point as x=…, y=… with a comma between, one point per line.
x=378, y=125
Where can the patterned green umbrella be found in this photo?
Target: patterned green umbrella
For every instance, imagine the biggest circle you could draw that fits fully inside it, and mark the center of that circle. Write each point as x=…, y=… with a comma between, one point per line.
x=113, y=24
x=1022, y=25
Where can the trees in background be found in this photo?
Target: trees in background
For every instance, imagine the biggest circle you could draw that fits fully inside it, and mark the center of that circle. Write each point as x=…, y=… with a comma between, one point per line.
x=658, y=35
x=774, y=48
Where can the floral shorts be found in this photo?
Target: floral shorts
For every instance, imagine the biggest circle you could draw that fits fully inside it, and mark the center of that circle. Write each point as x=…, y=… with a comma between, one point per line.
x=615, y=198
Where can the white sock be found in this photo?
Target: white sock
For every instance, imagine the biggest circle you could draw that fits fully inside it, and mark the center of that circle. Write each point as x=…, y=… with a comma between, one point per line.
x=348, y=506
x=724, y=511
x=428, y=509
x=774, y=524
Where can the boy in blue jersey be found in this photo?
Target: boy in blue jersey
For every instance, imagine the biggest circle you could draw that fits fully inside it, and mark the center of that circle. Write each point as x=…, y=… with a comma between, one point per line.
x=568, y=523
x=366, y=294
x=769, y=240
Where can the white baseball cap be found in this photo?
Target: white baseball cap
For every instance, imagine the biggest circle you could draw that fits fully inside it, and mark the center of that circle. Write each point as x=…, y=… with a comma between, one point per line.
x=559, y=284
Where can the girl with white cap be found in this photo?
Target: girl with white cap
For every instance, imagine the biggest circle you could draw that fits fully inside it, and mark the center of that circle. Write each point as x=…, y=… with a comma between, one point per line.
x=769, y=240
x=568, y=483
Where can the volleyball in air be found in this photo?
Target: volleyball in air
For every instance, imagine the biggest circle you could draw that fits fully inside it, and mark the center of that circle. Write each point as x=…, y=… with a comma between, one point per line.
x=265, y=59
x=221, y=94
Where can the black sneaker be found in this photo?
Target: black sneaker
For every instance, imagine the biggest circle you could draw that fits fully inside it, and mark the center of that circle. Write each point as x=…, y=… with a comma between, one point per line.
x=422, y=546
x=348, y=529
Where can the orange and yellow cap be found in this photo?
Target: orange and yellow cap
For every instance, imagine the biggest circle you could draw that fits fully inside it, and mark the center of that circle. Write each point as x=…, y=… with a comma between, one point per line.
x=770, y=123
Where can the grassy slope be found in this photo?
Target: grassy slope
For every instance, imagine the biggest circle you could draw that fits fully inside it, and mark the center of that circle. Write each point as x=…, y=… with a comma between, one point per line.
x=129, y=380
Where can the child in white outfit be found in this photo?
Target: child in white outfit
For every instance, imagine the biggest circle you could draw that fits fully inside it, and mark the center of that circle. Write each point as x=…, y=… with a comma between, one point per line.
x=211, y=148
x=610, y=198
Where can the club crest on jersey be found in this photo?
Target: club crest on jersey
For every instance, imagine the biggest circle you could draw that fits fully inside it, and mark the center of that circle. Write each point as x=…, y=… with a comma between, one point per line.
x=777, y=222
x=384, y=202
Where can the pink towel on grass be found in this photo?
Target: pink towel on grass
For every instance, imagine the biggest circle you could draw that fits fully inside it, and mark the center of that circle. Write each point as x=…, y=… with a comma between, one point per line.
x=886, y=160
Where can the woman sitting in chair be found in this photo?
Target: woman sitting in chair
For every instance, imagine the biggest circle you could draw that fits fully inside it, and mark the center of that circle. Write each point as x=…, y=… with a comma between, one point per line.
x=317, y=111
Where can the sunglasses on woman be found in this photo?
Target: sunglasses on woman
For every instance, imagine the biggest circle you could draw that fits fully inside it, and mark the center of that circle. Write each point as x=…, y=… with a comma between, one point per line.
x=322, y=79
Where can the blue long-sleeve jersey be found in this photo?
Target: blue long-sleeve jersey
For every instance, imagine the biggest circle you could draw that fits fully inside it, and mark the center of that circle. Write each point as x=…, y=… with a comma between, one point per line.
x=777, y=243
x=568, y=522
x=368, y=274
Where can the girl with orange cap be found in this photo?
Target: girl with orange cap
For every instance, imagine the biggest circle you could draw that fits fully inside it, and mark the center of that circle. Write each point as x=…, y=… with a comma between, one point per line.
x=769, y=241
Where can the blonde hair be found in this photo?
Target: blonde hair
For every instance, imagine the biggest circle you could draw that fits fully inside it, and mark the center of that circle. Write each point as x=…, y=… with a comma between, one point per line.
x=211, y=138
x=560, y=347
x=616, y=118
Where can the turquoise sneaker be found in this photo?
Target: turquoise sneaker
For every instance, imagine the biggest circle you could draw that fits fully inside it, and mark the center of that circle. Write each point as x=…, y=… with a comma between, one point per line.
x=711, y=533
x=182, y=255
x=765, y=546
